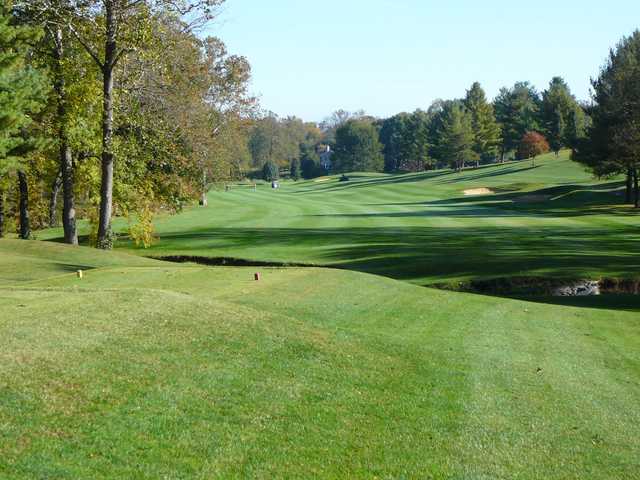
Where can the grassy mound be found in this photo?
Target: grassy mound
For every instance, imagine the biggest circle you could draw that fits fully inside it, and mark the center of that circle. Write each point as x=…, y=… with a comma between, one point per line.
x=150, y=370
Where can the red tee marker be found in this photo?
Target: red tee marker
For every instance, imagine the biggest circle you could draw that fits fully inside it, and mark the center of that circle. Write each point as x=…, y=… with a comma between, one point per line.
x=257, y=277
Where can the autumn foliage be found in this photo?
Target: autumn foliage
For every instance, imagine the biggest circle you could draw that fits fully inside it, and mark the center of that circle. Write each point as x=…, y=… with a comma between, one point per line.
x=532, y=145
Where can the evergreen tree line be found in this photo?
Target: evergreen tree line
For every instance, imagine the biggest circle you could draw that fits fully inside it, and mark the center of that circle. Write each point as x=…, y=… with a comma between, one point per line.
x=520, y=123
x=473, y=130
x=119, y=108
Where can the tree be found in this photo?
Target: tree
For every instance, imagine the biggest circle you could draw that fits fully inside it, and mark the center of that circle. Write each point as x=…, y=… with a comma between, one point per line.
x=456, y=136
x=281, y=140
x=330, y=125
x=109, y=30
x=532, y=145
x=358, y=147
x=72, y=78
x=22, y=93
x=486, y=131
x=405, y=138
x=562, y=116
x=393, y=135
x=310, y=163
x=612, y=143
x=517, y=111
x=417, y=145
x=270, y=172
x=295, y=169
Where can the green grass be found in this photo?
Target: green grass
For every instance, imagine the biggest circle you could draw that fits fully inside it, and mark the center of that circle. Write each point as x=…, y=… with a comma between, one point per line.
x=421, y=227
x=179, y=371
x=145, y=369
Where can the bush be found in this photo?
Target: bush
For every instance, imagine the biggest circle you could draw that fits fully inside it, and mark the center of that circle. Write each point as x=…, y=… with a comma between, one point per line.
x=270, y=172
x=142, y=231
x=295, y=169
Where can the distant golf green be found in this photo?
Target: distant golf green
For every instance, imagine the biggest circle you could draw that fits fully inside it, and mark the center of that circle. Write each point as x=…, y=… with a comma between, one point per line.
x=148, y=369
x=551, y=219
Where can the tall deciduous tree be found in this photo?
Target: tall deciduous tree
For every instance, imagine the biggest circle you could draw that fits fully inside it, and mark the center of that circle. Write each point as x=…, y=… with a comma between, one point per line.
x=358, y=147
x=406, y=142
x=486, y=131
x=109, y=30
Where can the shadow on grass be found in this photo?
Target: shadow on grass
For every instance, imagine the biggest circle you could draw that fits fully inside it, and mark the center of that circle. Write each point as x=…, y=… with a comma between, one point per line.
x=558, y=201
x=629, y=303
x=427, y=254
x=446, y=176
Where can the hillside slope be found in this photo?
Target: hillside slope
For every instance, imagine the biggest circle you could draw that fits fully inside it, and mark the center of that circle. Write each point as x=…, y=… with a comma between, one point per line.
x=154, y=370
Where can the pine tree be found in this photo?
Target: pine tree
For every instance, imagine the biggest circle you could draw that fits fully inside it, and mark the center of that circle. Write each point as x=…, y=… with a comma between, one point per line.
x=518, y=112
x=562, y=116
x=486, y=131
x=457, y=137
x=22, y=93
x=612, y=144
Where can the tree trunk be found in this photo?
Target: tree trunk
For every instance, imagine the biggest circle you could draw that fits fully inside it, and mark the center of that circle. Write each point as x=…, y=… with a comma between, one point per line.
x=66, y=160
x=68, y=197
x=53, y=200
x=106, y=188
x=25, y=228
x=1, y=213
x=629, y=191
x=204, y=202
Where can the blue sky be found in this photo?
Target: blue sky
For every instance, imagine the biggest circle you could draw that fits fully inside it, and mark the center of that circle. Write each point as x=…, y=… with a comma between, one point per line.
x=386, y=56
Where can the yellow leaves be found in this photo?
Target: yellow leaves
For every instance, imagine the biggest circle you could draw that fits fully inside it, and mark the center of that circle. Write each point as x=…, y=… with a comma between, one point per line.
x=142, y=230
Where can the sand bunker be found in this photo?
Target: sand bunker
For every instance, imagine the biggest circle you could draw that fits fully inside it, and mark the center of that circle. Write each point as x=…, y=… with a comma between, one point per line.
x=478, y=191
x=323, y=179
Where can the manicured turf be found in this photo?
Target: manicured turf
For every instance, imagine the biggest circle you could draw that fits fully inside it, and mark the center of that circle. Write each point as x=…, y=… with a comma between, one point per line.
x=147, y=369
x=154, y=370
x=552, y=220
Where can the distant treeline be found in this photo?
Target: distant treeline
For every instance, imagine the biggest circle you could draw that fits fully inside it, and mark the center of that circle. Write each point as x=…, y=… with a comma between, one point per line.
x=451, y=133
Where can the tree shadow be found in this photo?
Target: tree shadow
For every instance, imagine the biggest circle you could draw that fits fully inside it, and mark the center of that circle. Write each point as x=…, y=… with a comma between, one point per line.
x=558, y=201
x=630, y=303
x=427, y=255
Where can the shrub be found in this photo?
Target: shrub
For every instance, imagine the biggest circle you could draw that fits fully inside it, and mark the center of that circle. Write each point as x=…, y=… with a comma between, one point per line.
x=270, y=172
x=142, y=231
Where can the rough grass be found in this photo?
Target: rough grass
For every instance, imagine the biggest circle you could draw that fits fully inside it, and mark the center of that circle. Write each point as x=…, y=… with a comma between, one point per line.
x=180, y=371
